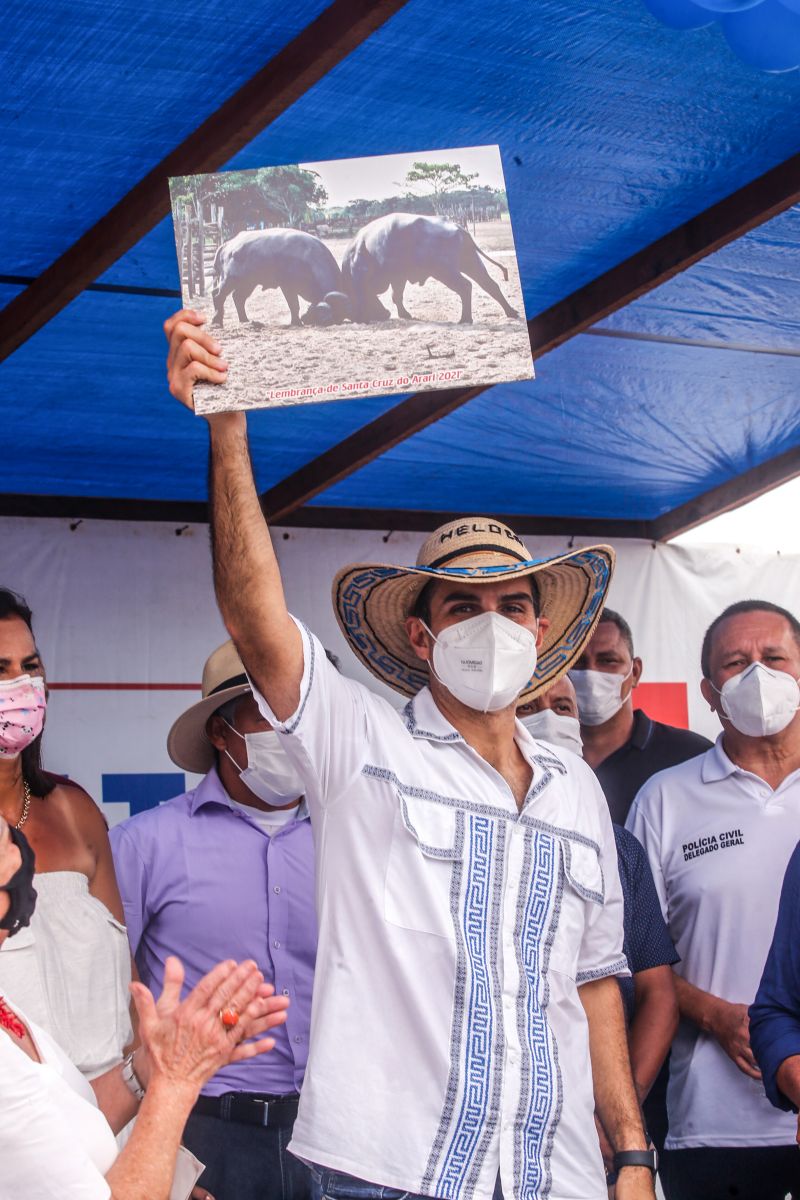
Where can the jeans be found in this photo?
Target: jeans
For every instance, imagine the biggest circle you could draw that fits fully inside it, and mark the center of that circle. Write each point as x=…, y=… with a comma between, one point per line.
x=246, y=1162
x=335, y=1185
x=731, y=1173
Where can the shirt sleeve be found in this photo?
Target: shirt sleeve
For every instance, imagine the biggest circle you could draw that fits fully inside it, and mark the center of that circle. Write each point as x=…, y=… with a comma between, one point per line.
x=601, y=952
x=647, y=940
x=41, y=1154
x=775, y=1013
x=132, y=878
x=328, y=734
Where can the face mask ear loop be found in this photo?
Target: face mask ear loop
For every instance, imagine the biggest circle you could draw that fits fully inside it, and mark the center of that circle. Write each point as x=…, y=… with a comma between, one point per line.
x=227, y=752
x=431, y=667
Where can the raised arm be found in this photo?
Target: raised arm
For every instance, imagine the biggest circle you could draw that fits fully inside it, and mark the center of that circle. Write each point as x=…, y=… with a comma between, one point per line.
x=246, y=573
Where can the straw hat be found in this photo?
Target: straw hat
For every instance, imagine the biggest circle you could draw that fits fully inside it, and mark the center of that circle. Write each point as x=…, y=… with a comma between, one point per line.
x=372, y=600
x=223, y=678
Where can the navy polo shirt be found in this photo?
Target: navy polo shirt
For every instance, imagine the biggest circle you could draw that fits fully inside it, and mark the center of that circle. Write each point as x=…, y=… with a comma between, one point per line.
x=651, y=747
x=646, y=941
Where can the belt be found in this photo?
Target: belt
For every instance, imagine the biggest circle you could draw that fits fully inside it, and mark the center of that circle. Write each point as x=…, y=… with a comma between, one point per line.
x=250, y=1108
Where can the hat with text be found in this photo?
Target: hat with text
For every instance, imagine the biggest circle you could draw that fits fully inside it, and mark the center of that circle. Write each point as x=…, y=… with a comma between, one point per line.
x=224, y=678
x=372, y=600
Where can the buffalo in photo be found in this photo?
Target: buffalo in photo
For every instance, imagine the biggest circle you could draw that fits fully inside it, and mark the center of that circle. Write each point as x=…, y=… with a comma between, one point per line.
x=298, y=263
x=402, y=248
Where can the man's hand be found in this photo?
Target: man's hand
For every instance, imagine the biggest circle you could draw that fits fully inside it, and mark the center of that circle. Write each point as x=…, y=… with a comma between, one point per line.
x=730, y=1025
x=193, y=355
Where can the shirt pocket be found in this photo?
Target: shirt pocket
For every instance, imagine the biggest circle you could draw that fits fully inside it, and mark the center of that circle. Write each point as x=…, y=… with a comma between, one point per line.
x=427, y=842
x=583, y=888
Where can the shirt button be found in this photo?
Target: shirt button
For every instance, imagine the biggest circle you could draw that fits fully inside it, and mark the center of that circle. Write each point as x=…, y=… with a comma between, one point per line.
x=277, y=889
x=277, y=945
x=286, y=991
x=298, y=1039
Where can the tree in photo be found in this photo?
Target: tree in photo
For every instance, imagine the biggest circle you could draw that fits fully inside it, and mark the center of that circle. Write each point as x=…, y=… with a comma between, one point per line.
x=437, y=181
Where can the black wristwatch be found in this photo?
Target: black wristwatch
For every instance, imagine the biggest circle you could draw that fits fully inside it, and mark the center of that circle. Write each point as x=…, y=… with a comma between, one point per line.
x=636, y=1158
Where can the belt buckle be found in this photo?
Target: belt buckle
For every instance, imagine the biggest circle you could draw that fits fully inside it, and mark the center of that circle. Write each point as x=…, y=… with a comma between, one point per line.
x=264, y=1112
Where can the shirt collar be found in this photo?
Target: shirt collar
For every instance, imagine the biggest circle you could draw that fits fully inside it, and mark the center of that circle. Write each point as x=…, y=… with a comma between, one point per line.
x=642, y=730
x=210, y=791
x=424, y=720
x=717, y=765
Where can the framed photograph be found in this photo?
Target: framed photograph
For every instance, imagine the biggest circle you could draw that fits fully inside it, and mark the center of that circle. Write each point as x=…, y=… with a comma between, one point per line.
x=358, y=277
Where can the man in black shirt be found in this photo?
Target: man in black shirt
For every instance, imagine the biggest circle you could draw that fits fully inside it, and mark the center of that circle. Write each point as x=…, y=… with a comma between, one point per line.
x=625, y=748
x=622, y=746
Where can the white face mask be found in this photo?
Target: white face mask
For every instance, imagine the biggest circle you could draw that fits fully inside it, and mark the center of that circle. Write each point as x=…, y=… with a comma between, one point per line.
x=485, y=661
x=556, y=728
x=759, y=701
x=599, y=694
x=270, y=774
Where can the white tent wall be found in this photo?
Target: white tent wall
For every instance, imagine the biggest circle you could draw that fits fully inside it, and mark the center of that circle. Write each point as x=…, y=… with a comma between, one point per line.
x=128, y=608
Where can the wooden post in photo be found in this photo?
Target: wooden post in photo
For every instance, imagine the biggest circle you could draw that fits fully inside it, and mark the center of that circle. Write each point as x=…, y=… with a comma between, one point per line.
x=189, y=256
x=201, y=251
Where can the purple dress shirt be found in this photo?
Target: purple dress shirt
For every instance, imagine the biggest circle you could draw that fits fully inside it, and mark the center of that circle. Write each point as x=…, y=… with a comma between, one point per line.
x=200, y=880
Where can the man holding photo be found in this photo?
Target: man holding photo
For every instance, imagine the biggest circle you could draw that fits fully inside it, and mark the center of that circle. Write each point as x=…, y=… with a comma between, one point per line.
x=469, y=904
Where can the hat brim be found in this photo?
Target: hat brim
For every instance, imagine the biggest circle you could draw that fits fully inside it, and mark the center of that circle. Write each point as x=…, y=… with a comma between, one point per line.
x=372, y=602
x=187, y=744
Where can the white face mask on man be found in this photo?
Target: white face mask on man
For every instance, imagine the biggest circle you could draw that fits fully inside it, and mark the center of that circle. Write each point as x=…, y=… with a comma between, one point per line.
x=485, y=661
x=599, y=694
x=270, y=774
x=556, y=728
x=759, y=701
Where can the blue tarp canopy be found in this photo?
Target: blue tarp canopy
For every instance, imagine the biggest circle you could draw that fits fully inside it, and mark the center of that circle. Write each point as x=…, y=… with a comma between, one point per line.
x=615, y=131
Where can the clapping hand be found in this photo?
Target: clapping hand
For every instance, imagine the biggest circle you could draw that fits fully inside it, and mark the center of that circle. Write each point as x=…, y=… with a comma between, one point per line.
x=186, y=1042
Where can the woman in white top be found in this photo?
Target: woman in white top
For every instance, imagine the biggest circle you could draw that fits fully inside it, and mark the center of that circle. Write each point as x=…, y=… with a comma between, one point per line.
x=70, y=969
x=57, y=1131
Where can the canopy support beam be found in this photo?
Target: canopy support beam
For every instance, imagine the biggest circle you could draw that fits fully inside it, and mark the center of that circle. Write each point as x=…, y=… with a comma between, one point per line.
x=315, y=51
x=727, y=496
x=728, y=219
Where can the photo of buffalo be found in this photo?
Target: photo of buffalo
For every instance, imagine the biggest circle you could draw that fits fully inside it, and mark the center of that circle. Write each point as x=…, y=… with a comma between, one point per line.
x=314, y=297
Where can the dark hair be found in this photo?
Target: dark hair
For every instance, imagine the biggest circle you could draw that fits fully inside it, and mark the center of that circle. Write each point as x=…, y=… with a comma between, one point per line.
x=422, y=605
x=733, y=610
x=38, y=780
x=615, y=618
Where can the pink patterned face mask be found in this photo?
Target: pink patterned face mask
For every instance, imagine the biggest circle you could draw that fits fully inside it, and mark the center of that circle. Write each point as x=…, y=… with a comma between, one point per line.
x=22, y=707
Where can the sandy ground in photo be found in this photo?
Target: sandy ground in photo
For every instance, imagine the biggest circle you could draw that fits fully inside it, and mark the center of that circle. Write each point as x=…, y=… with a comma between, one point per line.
x=432, y=351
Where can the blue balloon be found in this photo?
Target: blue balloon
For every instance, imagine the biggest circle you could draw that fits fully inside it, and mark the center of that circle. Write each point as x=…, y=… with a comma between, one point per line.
x=767, y=37
x=679, y=14
x=727, y=6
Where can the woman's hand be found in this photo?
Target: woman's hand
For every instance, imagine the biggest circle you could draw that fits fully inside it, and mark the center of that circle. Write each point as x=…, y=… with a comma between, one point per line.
x=185, y=1042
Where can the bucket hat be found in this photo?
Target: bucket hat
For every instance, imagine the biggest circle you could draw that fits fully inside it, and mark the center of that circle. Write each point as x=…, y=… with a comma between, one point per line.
x=223, y=678
x=372, y=600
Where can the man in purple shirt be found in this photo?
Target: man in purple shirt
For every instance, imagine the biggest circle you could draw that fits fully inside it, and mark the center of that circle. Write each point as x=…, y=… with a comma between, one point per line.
x=227, y=871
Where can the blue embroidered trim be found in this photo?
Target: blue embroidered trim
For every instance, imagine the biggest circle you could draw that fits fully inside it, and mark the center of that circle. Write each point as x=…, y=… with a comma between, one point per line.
x=539, y=1094
x=586, y=893
x=415, y=731
x=479, y=1029
x=498, y=1049
x=621, y=964
x=459, y=1002
x=472, y=806
x=444, y=852
x=304, y=698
